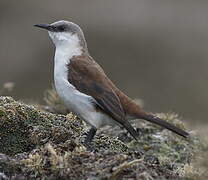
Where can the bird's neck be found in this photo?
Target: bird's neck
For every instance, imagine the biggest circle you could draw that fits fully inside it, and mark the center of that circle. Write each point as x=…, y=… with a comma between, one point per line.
x=64, y=53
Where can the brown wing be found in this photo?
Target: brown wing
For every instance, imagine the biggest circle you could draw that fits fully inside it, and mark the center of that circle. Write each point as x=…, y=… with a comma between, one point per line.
x=89, y=78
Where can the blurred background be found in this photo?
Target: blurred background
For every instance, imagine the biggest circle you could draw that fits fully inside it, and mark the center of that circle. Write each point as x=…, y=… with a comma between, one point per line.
x=153, y=50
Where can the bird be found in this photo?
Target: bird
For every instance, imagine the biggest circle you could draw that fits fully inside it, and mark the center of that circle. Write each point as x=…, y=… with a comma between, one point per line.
x=86, y=90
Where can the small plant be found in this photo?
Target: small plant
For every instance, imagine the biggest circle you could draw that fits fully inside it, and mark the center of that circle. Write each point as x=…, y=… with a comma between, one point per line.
x=53, y=102
x=7, y=87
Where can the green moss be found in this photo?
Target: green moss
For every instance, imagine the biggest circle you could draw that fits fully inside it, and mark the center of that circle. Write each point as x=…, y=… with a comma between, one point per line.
x=39, y=144
x=23, y=127
x=2, y=111
x=104, y=142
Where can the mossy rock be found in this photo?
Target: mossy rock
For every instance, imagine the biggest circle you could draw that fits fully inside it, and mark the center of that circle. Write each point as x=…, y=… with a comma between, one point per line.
x=23, y=127
x=36, y=144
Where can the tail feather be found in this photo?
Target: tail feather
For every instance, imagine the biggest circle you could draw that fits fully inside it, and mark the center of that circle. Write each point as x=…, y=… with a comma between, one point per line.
x=165, y=124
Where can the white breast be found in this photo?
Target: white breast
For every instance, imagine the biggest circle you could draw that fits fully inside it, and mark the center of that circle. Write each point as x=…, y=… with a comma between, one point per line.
x=80, y=103
x=68, y=93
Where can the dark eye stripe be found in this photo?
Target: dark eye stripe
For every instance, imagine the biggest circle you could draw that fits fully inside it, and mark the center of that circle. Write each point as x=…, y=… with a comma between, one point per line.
x=62, y=28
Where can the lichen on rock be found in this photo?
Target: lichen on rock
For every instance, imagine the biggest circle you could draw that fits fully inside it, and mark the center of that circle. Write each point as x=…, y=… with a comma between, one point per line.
x=35, y=144
x=24, y=127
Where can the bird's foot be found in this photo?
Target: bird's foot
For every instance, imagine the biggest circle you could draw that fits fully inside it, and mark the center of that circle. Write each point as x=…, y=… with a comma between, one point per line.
x=89, y=147
x=88, y=140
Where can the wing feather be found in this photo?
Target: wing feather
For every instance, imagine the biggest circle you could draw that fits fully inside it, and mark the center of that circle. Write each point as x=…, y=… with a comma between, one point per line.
x=89, y=78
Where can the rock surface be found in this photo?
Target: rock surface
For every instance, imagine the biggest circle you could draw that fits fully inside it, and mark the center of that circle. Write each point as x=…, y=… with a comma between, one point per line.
x=36, y=144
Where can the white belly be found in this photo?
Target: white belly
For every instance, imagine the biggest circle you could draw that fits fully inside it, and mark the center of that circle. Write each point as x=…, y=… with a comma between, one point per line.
x=81, y=104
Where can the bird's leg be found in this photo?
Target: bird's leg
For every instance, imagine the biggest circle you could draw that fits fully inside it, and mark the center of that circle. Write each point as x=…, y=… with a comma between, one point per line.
x=90, y=136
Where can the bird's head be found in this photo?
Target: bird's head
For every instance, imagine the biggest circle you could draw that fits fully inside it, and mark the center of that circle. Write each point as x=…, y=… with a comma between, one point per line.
x=65, y=33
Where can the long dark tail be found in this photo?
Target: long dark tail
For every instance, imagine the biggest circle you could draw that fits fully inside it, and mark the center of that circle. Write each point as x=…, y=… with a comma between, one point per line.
x=165, y=124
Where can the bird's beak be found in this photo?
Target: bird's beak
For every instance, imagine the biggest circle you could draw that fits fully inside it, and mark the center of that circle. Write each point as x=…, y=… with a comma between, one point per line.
x=44, y=26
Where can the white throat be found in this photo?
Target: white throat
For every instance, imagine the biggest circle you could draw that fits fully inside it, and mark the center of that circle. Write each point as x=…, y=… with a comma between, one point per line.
x=67, y=46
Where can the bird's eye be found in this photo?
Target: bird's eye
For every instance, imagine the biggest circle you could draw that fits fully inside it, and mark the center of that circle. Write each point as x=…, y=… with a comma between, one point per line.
x=62, y=28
